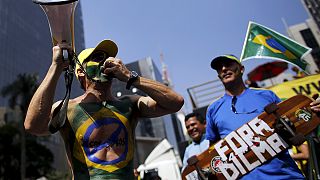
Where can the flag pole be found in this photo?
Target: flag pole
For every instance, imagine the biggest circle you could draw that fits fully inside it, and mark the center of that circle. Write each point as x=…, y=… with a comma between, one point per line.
x=286, y=26
x=245, y=41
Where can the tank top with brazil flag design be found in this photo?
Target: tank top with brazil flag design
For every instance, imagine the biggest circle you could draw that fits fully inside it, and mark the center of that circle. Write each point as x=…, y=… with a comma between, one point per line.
x=99, y=139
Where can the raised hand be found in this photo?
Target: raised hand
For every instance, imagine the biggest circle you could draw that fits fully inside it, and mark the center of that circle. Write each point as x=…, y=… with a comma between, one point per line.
x=114, y=67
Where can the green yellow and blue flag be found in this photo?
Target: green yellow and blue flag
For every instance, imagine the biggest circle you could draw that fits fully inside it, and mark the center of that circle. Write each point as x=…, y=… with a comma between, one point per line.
x=263, y=42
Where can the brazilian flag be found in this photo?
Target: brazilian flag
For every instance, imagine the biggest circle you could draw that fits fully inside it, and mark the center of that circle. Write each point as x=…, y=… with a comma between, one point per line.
x=262, y=42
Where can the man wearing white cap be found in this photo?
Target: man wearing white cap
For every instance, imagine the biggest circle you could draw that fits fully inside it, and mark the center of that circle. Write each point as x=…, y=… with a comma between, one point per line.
x=238, y=106
x=99, y=131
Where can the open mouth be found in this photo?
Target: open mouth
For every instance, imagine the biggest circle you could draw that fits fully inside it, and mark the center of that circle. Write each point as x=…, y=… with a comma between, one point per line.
x=194, y=133
x=227, y=75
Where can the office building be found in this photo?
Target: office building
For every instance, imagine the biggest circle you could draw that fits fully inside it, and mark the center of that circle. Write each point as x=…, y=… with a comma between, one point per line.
x=26, y=47
x=308, y=34
x=25, y=43
x=313, y=8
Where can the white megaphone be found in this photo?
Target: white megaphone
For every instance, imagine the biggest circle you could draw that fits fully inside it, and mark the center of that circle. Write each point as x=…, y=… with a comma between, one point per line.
x=60, y=15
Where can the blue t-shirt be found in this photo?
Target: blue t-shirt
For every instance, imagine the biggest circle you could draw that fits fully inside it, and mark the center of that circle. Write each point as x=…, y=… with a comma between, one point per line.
x=195, y=149
x=221, y=120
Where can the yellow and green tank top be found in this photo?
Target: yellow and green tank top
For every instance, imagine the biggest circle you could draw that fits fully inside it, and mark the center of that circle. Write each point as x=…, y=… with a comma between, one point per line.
x=100, y=139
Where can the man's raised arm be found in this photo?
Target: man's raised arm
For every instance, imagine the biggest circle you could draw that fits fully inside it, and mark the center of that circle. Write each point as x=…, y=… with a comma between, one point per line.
x=39, y=111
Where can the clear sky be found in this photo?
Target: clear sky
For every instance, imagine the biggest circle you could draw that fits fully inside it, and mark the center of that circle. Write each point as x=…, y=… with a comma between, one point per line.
x=189, y=33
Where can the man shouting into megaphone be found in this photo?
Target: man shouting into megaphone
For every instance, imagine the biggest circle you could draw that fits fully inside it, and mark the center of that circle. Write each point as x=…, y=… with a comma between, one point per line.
x=99, y=130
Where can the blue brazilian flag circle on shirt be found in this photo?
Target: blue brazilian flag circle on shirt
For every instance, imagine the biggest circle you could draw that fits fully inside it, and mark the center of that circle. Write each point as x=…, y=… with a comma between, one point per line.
x=111, y=141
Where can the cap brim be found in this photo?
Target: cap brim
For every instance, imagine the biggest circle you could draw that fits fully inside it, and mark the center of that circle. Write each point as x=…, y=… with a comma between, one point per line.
x=215, y=61
x=107, y=46
x=218, y=59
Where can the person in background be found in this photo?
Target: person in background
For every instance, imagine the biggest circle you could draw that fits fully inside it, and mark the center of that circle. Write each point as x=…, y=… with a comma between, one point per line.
x=196, y=125
x=251, y=84
x=136, y=174
x=299, y=73
x=238, y=106
x=99, y=130
x=301, y=155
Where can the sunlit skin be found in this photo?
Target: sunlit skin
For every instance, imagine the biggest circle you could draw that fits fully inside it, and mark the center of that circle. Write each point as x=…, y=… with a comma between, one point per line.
x=113, y=148
x=230, y=74
x=195, y=129
x=315, y=106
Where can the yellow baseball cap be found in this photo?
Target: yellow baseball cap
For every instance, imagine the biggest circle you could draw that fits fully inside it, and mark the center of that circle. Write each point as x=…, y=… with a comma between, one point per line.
x=218, y=59
x=106, y=45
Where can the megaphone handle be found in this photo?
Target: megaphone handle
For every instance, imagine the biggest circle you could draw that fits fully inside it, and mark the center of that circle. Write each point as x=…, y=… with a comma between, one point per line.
x=65, y=54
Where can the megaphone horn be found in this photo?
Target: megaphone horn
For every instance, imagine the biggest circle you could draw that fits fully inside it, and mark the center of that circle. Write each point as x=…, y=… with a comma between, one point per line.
x=60, y=15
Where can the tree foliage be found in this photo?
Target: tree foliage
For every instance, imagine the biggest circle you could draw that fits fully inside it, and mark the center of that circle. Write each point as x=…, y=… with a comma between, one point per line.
x=21, y=155
x=21, y=91
x=39, y=158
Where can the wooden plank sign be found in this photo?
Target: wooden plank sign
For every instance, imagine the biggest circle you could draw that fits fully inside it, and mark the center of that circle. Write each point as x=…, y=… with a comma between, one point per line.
x=255, y=142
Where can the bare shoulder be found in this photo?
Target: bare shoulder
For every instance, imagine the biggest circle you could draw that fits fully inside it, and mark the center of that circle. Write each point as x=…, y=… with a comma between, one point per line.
x=71, y=101
x=74, y=101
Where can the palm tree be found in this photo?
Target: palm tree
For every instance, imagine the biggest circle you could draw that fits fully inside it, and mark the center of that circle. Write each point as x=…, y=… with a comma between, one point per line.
x=19, y=94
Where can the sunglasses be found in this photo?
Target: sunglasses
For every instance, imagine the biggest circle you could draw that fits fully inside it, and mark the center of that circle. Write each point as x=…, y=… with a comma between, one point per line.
x=234, y=110
x=98, y=56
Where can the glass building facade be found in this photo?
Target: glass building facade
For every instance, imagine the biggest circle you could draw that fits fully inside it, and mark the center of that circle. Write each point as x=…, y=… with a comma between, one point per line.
x=311, y=42
x=26, y=47
x=311, y=34
x=313, y=7
x=25, y=43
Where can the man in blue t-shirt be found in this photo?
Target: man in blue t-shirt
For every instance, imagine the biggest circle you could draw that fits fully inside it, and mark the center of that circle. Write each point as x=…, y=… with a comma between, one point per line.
x=238, y=106
x=196, y=127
